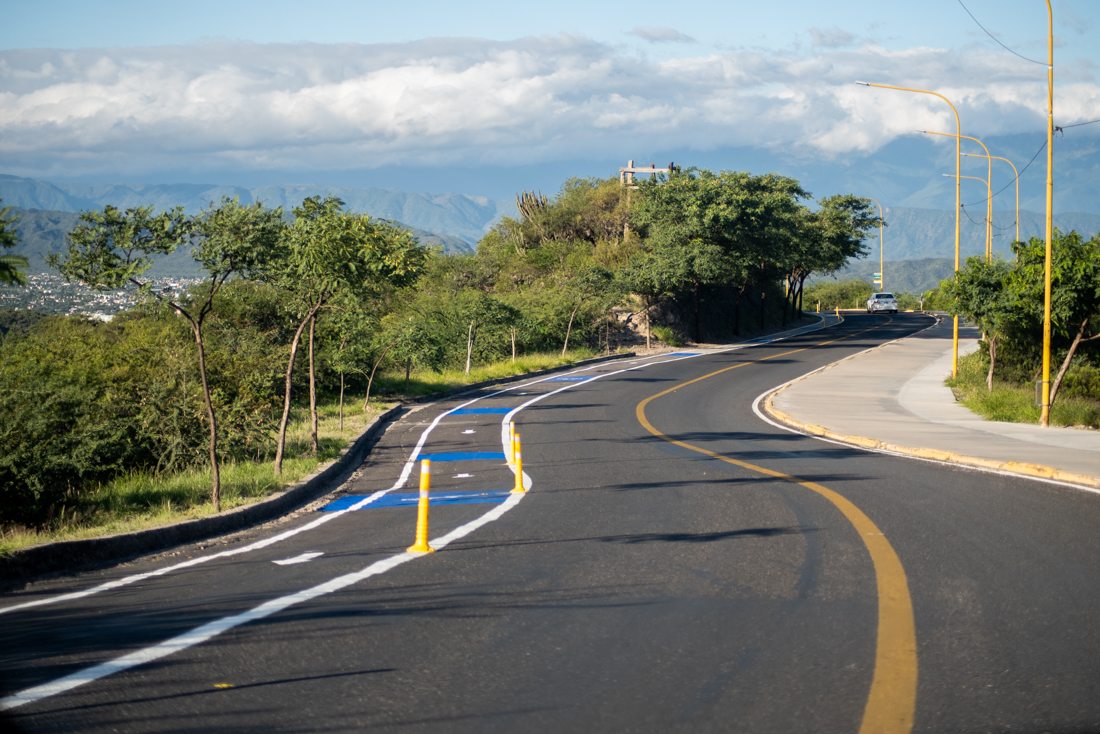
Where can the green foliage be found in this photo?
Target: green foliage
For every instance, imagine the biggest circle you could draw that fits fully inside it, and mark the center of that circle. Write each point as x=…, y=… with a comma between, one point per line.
x=11, y=266
x=667, y=336
x=834, y=294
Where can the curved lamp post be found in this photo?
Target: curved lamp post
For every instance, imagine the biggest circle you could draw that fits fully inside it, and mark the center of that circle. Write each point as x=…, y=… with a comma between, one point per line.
x=958, y=199
x=989, y=193
x=999, y=158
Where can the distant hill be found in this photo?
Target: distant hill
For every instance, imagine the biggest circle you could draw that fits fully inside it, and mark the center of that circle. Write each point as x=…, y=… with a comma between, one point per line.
x=459, y=216
x=912, y=234
x=903, y=276
x=42, y=231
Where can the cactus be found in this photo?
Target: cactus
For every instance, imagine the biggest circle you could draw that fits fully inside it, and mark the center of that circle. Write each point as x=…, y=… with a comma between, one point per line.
x=529, y=203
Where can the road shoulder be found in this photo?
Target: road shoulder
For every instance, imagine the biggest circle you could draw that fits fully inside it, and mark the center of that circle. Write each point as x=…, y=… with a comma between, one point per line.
x=891, y=398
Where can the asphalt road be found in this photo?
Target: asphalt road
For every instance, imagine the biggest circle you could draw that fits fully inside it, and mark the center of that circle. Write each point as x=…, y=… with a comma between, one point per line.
x=642, y=585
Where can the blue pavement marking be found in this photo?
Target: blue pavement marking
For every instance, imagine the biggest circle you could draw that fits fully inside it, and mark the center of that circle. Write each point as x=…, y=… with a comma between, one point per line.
x=684, y=354
x=465, y=456
x=409, y=499
x=569, y=378
x=479, y=411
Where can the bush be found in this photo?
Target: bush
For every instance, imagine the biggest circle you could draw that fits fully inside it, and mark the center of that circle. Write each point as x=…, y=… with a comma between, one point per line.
x=852, y=293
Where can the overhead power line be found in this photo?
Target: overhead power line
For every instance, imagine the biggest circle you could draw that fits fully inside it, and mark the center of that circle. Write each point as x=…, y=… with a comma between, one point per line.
x=1006, y=48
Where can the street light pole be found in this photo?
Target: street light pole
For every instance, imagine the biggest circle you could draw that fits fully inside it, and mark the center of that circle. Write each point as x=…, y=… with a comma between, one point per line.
x=989, y=195
x=958, y=200
x=999, y=158
x=881, y=258
x=1044, y=416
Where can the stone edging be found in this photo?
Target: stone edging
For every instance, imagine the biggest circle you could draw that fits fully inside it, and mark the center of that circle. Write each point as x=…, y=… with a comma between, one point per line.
x=948, y=457
x=76, y=554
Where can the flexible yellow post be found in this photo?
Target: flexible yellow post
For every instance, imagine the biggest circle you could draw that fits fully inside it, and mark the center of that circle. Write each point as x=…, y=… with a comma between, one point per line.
x=518, y=454
x=511, y=442
x=421, y=544
x=838, y=314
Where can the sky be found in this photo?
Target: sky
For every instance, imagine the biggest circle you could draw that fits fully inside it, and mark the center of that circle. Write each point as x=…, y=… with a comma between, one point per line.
x=476, y=97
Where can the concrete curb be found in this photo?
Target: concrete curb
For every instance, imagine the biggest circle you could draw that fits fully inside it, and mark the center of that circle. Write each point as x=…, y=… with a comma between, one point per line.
x=77, y=555
x=1017, y=468
x=73, y=555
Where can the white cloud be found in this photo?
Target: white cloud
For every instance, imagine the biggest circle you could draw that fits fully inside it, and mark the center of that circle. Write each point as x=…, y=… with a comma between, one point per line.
x=657, y=34
x=466, y=101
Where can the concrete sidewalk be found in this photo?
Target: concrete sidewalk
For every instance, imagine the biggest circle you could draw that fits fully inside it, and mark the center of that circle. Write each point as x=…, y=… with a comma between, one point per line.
x=893, y=398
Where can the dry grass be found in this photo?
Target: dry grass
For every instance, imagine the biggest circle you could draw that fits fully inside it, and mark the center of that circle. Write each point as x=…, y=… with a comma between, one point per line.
x=142, y=500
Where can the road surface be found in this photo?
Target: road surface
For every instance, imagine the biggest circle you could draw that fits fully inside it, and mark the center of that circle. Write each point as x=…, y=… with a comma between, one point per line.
x=677, y=565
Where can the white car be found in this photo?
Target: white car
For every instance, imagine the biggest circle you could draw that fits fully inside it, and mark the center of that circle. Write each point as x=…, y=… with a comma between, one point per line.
x=882, y=303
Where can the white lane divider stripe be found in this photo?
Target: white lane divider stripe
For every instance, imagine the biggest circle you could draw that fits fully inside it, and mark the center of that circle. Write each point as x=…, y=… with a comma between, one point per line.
x=213, y=629
x=329, y=516
x=304, y=558
x=218, y=626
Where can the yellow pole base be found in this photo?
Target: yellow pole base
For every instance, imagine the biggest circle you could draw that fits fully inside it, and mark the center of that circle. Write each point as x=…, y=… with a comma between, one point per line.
x=518, y=489
x=421, y=544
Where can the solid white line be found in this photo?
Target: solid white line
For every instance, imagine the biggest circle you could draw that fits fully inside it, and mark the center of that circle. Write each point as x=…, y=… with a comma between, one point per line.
x=771, y=421
x=330, y=516
x=308, y=556
x=213, y=629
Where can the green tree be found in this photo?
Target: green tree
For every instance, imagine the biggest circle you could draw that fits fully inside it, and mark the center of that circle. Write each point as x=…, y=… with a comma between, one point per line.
x=1075, y=291
x=11, y=266
x=981, y=292
x=332, y=252
x=827, y=238
x=111, y=250
x=718, y=228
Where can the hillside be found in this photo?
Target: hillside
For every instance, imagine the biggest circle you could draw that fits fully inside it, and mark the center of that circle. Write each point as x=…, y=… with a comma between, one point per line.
x=902, y=276
x=42, y=232
x=459, y=216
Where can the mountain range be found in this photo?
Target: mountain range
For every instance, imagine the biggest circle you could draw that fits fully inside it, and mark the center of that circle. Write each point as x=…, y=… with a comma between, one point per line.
x=456, y=222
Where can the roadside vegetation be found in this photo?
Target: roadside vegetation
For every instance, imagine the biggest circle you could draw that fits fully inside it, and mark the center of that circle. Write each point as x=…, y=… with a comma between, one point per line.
x=1005, y=300
x=198, y=400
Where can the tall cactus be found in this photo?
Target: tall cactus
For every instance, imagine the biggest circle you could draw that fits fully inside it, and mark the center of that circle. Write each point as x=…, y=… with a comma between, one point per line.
x=530, y=203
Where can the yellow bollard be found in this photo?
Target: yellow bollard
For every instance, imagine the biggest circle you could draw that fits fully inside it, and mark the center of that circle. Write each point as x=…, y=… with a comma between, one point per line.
x=511, y=442
x=518, y=455
x=838, y=314
x=421, y=544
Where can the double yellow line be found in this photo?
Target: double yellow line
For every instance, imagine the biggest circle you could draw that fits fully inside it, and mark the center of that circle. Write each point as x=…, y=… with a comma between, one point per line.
x=893, y=695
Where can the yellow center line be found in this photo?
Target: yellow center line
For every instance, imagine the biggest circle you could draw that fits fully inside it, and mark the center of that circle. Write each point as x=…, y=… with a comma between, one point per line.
x=893, y=696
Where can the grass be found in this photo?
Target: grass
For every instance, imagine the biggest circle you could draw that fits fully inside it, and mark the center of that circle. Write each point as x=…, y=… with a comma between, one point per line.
x=1013, y=403
x=143, y=500
x=424, y=382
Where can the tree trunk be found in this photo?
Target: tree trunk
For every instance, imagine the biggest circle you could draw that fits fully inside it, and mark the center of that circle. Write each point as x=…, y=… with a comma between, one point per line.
x=280, y=446
x=408, y=368
x=568, y=329
x=992, y=361
x=801, y=288
x=763, y=295
x=313, y=448
x=513, y=345
x=341, y=401
x=648, y=304
x=737, y=310
x=469, y=346
x=370, y=380
x=607, y=336
x=696, y=285
x=1069, y=356
x=216, y=489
